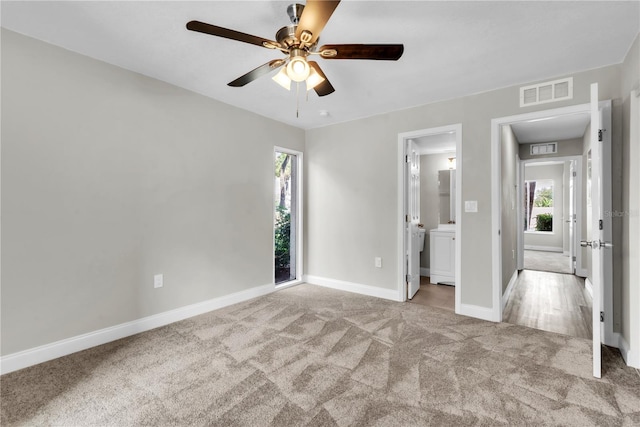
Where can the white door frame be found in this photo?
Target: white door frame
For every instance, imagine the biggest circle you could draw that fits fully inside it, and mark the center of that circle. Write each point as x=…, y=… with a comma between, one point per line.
x=577, y=208
x=609, y=338
x=631, y=349
x=299, y=223
x=401, y=206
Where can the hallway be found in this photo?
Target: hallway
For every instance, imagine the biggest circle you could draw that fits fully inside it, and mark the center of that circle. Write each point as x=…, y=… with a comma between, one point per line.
x=550, y=302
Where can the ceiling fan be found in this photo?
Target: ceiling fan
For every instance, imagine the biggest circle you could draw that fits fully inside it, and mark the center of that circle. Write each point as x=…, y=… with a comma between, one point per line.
x=299, y=41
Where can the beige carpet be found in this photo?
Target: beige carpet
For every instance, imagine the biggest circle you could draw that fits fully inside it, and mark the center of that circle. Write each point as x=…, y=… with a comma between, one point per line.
x=555, y=262
x=313, y=356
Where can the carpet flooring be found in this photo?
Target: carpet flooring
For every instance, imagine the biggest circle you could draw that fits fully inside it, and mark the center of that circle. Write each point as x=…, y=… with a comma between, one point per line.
x=313, y=356
x=555, y=262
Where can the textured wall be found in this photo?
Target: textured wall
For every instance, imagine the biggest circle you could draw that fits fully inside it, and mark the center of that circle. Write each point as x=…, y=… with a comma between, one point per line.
x=347, y=225
x=509, y=212
x=109, y=177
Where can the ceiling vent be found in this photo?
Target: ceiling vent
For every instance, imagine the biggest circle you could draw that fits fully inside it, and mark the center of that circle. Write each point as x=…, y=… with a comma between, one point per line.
x=546, y=148
x=541, y=93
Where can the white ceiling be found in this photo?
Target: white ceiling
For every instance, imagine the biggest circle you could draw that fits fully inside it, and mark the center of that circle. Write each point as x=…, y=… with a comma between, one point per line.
x=452, y=48
x=550, y=129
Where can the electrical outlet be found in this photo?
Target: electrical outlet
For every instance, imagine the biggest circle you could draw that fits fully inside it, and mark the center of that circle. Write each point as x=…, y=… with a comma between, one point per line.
x=158, y=281
x=378, y=262
x=471, y=206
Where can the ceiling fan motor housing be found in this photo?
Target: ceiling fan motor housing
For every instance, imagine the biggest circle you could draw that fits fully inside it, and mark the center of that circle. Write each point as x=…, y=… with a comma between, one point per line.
x=286, y=36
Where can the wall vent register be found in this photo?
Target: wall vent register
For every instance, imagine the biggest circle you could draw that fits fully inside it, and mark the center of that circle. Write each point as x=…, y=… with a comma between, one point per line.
x=541, y=93
x=546, y=148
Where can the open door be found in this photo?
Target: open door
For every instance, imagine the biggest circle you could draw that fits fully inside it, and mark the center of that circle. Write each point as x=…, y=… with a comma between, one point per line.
x=572, y=215
x=598, y=244
x=413, y=218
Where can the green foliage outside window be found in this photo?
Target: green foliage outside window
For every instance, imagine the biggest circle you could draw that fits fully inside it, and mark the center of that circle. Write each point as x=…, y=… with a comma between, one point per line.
x=544, y=198
x=282, y=238
x=544, y=222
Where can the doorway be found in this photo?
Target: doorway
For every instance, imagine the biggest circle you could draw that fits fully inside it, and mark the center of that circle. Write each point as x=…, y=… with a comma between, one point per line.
x=548, y=294
x=287, y=217
x=429, y=179
x=551, y=211
x=597, y=139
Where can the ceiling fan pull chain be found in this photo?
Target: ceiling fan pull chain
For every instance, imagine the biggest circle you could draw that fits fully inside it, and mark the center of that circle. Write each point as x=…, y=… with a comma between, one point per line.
x=297, y=99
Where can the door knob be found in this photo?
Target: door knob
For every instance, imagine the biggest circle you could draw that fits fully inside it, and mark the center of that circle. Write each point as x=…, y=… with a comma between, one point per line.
x=585, y=243
x=607, y=245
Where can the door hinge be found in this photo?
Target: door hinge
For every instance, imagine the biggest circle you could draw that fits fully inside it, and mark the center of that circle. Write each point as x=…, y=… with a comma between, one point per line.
x=600, y=132
x=600, y=225
x=406, y=218
x=575, y=174
x=602, y=316
x=574, y=259
x=406, y=159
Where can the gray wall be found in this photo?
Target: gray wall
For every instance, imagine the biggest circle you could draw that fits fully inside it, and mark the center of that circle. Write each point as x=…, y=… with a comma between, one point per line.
x=352, y=208
x=509, y=212
x=430, y=164
x=555, y=173
x=629, y=221
x=109, y=177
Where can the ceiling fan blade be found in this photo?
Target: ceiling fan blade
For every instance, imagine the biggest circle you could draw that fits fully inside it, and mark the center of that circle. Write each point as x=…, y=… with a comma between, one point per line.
x=384, y=52
x=214, y=30
x=324, y=88
x=314, y=17
x=258, y=72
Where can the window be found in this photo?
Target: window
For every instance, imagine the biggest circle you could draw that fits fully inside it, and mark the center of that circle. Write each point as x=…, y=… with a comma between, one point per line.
x=287, y=243
x=538, y=205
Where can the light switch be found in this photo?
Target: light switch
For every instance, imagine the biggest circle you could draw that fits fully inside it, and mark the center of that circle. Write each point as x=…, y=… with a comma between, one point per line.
x=471, y=206
x=158, y=281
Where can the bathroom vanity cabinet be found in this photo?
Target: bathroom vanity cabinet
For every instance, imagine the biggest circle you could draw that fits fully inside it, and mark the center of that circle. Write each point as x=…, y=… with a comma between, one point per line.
x=442, y=256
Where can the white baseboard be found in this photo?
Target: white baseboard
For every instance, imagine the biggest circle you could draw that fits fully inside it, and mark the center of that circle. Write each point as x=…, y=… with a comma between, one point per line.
x=33, y=356
x=543, y=248
x=622, y=346
x=588, y=286
x=477, y=312
x=510, y=286
x=627, y=354
x=358, y=288
x=425, y=272
x=581, y=272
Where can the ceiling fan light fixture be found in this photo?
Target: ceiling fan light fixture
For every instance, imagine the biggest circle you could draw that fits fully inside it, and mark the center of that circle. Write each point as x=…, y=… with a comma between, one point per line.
x=298, y=68
x=282, y=79
x=314, y=79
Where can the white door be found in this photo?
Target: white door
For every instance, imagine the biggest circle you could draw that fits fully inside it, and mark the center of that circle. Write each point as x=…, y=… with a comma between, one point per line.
x=413, y=218
x=572, y=215
x=598, y=244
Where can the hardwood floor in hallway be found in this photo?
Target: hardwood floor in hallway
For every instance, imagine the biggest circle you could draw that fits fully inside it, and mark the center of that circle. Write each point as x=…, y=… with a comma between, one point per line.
x=550, y=302
x=441, y=296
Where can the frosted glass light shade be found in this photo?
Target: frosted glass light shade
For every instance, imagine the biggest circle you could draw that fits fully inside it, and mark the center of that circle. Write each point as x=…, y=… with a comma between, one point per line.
x=298, y=69
x=314, y=79
x=282, y=79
